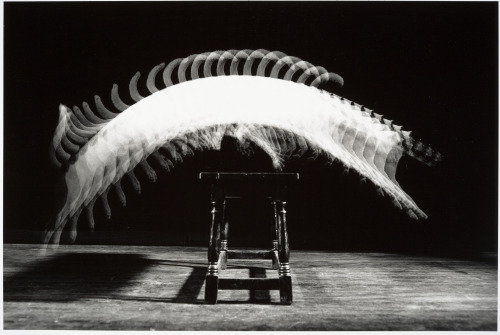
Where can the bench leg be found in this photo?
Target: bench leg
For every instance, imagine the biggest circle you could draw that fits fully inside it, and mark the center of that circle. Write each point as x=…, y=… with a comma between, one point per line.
x=212, y=279
x=224, y=237
x=274, y=232
x=285, y=279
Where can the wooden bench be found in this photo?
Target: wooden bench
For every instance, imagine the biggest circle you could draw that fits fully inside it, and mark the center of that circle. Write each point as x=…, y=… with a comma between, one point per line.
x=231, y=185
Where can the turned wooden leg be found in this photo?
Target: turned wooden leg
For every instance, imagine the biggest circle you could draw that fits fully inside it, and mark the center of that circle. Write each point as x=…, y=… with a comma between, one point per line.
x=212, y=279
x=224, y=237
x=285, y=279
x=274, y=233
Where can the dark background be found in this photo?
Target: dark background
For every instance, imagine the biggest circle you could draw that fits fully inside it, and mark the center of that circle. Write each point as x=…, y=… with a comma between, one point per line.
x=430, y=66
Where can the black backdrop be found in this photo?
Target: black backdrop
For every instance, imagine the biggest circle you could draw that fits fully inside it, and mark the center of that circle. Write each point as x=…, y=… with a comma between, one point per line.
x=432, y=67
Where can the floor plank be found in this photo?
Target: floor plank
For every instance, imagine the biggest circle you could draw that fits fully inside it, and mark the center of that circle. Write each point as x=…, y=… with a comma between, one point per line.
x=162, y=288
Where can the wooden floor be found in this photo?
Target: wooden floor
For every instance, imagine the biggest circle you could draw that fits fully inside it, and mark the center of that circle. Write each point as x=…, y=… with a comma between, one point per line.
x=162, y=288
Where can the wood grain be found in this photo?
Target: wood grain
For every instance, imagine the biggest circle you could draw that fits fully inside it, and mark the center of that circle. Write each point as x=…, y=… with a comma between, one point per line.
x=162, y=288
